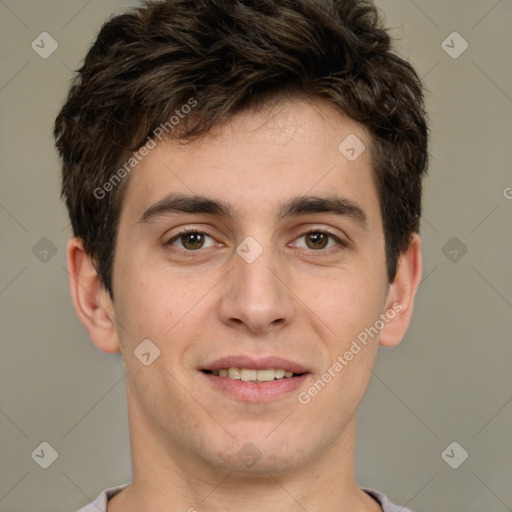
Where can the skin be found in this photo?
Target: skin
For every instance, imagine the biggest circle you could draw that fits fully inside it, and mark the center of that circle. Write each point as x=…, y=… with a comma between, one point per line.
x=298, y=300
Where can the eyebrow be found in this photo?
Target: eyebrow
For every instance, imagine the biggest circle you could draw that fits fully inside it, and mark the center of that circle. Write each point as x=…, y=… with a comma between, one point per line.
x=300, y=205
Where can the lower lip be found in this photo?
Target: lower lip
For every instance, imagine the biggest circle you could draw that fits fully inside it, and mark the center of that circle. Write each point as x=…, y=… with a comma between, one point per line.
x=256, y=391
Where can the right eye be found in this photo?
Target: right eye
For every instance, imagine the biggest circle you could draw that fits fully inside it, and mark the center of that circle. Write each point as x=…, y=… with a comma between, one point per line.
x=190, y=240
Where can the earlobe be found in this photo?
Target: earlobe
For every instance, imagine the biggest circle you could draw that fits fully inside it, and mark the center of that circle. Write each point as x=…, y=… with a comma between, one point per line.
x=90, y=298
x=401, y=294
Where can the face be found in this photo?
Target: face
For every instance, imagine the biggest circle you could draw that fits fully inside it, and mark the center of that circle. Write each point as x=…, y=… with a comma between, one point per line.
x=279, y=263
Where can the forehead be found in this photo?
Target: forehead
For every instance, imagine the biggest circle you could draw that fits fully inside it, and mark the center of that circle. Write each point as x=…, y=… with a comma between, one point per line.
x=258, y=159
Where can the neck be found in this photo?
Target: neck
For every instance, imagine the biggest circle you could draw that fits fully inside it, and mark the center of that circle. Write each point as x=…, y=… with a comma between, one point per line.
x=167, y=479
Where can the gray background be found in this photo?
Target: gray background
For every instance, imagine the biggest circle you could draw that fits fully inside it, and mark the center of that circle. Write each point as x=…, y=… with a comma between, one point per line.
x=448, y=381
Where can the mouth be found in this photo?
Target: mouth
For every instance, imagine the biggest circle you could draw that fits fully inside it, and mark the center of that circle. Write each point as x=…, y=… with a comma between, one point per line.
x=255, y=380
x=252, y=375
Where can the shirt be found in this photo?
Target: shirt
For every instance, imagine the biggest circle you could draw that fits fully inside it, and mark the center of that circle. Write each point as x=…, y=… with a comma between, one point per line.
x=100, y=503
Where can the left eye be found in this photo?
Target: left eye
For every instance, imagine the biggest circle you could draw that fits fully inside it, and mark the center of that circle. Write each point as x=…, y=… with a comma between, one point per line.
x=318, y=240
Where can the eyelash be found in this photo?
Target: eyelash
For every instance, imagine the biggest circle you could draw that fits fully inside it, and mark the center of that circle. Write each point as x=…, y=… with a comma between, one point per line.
x=341, y=244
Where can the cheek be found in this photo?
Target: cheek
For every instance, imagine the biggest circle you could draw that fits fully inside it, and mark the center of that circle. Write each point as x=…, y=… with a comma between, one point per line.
x=166, y=309
x=350, y=309
x=141, y=305
x=348, y=306
x=348, y=301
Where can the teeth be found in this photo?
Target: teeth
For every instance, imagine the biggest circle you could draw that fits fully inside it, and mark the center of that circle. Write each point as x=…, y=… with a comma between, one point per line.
x=247, y=375
x=234, y=373
x=264, y=375
x=250, y=375
x=279, y=374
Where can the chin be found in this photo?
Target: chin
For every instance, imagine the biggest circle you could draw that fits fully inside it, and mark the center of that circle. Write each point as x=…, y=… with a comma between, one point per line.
x=257, y=455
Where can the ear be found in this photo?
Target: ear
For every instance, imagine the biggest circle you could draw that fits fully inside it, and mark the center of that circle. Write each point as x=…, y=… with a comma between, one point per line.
x=92, y=302
x=401, y=294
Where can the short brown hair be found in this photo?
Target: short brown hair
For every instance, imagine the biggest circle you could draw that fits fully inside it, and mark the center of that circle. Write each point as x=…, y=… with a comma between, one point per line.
x=229, y=55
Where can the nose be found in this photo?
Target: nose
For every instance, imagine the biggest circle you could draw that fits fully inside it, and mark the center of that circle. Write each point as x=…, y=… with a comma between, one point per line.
x=255, y=295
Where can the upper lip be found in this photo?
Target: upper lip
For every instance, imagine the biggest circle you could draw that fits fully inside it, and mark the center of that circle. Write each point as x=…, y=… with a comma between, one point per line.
x=255, y=363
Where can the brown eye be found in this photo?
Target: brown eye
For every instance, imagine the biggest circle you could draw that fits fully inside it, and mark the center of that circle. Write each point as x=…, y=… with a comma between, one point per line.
x=190, y=240
x=316, y=240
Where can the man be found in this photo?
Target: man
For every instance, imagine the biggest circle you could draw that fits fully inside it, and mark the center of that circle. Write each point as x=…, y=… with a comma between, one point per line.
x=244, y=184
